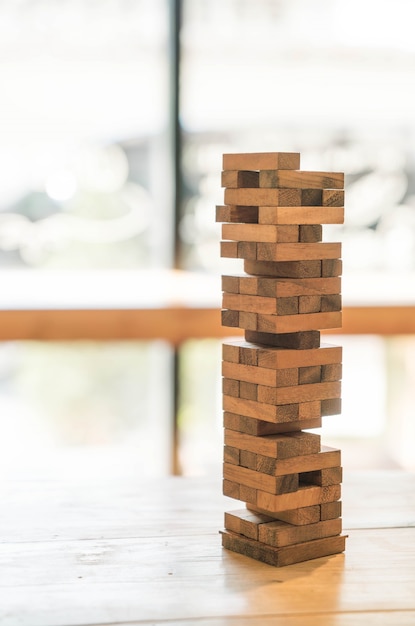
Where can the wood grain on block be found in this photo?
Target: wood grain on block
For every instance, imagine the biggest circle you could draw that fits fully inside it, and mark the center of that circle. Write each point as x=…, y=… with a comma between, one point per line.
x=283, y=287
x=295, y=340
x=237, y=214
x=286, y=233
x=333, y=197
x=245, y=522
x=326, y=458
x=239, y=178
x=332, y=406
x=323, y=477
x=279, y=533
x=301, y=179
x=332, y=371
x=260, y=375
x=278, y=446
x=298, y=517
x=253, y=426
x=261, y=160
x=247, y=249
x=259, y=410
x=310, y=374
x=298, y=393
x=331, y=267
x=229, y=249
x=309, y=233
x=331, y=302
x=330, y=510
x=230, y=318
x=298, y=215
x=237, y=350
x=286, y=555
x=262, y=197
x=230, y=489
x=247, y=494
x=284, y=269
x=296, y=251
x=254, y=304
x=231, y=455
x=309, y=410
x=309, y=304
x=230, y=387
x=306, y=495
x=249, y=391
x=258, y=480
x=311, y=197
x=230, y=284
x=247, y=459
x=294, y=323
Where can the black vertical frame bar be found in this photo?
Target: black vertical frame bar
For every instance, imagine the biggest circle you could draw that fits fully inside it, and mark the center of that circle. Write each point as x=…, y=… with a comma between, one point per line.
x=175, y=24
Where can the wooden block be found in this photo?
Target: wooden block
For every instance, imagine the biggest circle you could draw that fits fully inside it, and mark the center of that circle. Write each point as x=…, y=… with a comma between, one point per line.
x=309, y=233
x=252, y=426
x=247, y=249
x=296, y=251
x=309, y=375
x=247, y=494
x=259, y=410
x=309, y=304
x=323, y=477
x=248, y=319
x=263, y=197
x=248, y=391
x=279, y=533
x=299, y=215
x=231, y=455
x=237, y=350
x=229, y=249
x=297, y=517
x=254, y=304
x=326, y=458
x=298, y=393
x=331, y=267
x=306, y=495
x=230, y=387
x=258, y=480
x=333, y=197
x=287, y=555
x=287, y=287
x=247, y=459
x=295, y=340
x=238, y=214
x=284, y=269
x=331, y=406
x=311, y=197
x=287, y=233
x=331, y=302
x=240, y=178
x=309, y=410
x=230, y=489
x=332, y=371
x=230, y=318
x=245, y=522
x=257, y=375
x=294, y=323
x=330, y=510
x=230, y=284
x=277, y=446
x=261, y=160
x=301, y=179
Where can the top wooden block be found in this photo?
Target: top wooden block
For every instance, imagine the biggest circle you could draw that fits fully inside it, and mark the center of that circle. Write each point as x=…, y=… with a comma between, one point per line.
x=301, y=179
x=262, y=161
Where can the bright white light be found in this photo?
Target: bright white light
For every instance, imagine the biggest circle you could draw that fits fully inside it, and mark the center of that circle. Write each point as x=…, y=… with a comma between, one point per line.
x=61, y=186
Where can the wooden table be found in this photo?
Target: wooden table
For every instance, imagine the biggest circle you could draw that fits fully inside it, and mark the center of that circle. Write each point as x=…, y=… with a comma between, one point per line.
x=79, y=551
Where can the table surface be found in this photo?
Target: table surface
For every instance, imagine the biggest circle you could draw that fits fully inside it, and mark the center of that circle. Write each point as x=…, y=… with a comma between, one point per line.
x=77, y=551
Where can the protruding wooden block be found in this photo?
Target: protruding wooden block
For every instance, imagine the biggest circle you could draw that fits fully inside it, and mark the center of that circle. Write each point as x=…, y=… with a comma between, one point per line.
x=263, y=197
x=306, y=495
x=286, y=233
x=285, y=269
x=287, y=483
x=294, y=323
x=330, y=510
x=253, y=426
x=238, y=214
x=261, y=375
x=297, y=517
x=326, y=458
x=240, y=178
x=296, y=251
x=281, y=533
x=333, y=197
x=331, y=406
x=301, y=179
x=245, y=522
x=261, y=160
x=277, y=446
x=299, y=215
x=295, y=340
x=298, y=393
x=249, y=303
x=309, y=233
x=287, y=555
x=260, y=410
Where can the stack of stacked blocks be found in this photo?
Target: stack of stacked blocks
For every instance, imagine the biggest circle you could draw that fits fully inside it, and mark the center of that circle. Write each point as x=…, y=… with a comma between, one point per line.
x=280, y=380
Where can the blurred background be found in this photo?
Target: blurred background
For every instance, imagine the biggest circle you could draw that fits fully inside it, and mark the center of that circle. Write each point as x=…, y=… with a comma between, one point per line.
x=114, y=117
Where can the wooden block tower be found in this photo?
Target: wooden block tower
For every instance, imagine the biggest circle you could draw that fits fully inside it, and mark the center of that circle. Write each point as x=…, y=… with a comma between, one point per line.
x=281, y=380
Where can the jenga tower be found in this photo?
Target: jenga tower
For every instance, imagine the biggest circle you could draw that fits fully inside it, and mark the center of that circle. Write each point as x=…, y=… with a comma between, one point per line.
x=280, y=381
